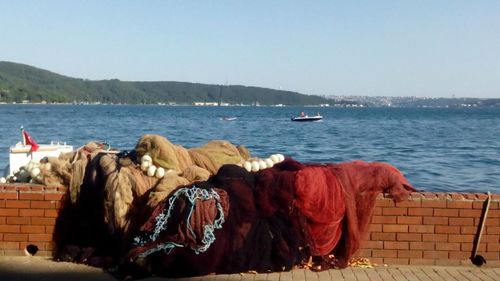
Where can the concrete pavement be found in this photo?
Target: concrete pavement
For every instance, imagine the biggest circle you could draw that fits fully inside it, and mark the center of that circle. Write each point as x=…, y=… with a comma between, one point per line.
x=43, y=269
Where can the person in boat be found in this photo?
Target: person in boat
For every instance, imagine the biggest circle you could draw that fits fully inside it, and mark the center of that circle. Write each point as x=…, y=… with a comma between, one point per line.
x=317, y=114
x=302, y=114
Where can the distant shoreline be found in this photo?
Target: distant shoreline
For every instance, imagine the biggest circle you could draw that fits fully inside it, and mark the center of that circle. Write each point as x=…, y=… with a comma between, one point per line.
x=353, y=105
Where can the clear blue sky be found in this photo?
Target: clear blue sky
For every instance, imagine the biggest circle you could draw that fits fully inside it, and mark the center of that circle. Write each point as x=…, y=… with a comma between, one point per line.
x=390, y=48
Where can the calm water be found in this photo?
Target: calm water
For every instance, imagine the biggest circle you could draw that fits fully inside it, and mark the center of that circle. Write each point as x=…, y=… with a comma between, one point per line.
x=437, y=149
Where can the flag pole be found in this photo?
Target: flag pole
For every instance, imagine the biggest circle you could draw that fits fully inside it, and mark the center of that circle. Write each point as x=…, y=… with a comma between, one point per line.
x=22, y=135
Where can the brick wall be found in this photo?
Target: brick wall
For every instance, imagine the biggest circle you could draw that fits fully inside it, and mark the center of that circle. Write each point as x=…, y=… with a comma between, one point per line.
x=429, y=228
x=27, y=216
x=433, y=229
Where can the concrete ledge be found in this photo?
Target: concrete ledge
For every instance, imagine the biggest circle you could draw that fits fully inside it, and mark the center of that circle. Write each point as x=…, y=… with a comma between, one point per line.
x=427, y=229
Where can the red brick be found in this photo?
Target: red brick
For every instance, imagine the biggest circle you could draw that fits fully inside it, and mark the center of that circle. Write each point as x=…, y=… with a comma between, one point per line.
x=409, y=203
x=414, y=254
x=422, y=261
x=422, y=245
x=477, y=205
x=375, y=228
x=399, y=245
x=459, y=255
x=49, y=229
x=9, y=245
x=384, y=219
x=446, y=229
x=10, y=188
x=50, y=188
x=448, y=246
x=31, y=196
x=460, y=238
x=493, y=247
x=446, y=212
x=17, y=204
x=447, y=262
x=489, y=221
x=462, y=204
x=376, y=236
x=43, y=204
x=434, y=237
x=493, y=213
x=9, y=212
x=377, y=211
x=436, y=220
x=461, y=221
x=50, y=213
x=43, y=221
x=372, y=245
x=487, y=238
x=409, y=220
x=40, y=237
x=36, y=187
x=24, y=187
x=466, y=213
x=421, y=229
x=32, y=229
x=420, y=211
x=492, y=257
x=385, y=253
x=18, y=220
x=2, y=204
x=31, y=213
x=467, y=247
x=435, y=254
x=402, y=261
x=8, y=195
x=16, y=237
x=9, y=228
x=53, y=196
x=409, y=237
x=434, y=204
x=470, y=230
x=394, y=211
x=395, y=228
x=492, y=230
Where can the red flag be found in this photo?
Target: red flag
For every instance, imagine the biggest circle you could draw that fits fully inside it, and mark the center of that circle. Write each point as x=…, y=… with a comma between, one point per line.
x=29, y=141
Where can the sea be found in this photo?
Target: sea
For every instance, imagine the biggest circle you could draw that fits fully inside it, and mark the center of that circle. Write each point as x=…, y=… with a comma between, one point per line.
x=438, y=149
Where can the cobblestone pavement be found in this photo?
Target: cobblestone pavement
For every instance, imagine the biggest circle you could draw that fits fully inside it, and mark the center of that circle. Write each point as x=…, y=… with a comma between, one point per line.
x=38, y=268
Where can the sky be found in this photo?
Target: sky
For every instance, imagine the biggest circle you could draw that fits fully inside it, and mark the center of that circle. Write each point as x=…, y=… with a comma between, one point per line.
x=425, y=48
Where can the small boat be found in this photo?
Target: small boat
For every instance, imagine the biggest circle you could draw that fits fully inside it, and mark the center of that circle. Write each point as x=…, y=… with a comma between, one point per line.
x=228, y=118
x=23, y=152
x=307, y=118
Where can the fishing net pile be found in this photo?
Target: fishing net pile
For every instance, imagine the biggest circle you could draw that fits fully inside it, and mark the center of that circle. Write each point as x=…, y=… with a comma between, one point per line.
x=226, y=221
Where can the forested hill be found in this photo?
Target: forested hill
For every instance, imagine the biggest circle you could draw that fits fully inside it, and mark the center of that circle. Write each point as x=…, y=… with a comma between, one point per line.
x=19, y=82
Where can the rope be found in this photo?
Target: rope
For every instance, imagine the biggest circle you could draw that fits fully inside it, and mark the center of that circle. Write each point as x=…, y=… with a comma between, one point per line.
x=192, y=194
